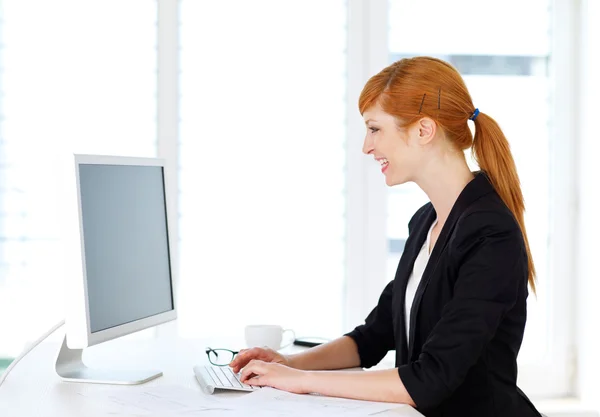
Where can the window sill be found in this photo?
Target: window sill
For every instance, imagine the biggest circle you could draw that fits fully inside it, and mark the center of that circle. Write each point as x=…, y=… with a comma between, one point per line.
x=566, y=407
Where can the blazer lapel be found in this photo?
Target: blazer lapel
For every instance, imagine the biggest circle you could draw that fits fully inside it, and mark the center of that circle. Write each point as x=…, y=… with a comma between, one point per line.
x=475, y=189
x=411, y=250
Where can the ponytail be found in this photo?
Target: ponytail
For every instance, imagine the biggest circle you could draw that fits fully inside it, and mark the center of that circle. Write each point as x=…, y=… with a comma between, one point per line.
x=492, y=153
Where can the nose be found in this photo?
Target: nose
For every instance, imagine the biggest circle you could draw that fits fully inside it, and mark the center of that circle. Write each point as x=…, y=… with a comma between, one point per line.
x=368, y=145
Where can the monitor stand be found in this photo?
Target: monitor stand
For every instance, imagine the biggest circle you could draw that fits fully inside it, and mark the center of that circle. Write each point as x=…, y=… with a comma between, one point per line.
x=70, y=367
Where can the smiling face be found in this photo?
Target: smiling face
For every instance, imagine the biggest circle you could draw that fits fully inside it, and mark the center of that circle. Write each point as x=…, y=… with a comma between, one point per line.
x=399, y=150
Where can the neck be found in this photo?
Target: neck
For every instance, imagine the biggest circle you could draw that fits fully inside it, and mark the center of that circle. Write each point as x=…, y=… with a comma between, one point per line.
x=443, y=179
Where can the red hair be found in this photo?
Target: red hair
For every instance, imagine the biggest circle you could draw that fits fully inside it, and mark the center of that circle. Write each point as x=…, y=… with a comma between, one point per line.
x=422, y=86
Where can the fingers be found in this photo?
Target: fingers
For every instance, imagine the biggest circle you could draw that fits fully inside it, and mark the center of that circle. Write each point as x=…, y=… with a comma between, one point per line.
x=257, y=382
x=246, y=355
x=237, y=358
x=240, y=360
x=253, y=369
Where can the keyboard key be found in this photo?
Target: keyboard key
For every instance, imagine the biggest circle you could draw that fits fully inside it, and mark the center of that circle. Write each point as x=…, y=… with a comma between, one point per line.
x=233, y=378
x=221, y=378
x=217, y=377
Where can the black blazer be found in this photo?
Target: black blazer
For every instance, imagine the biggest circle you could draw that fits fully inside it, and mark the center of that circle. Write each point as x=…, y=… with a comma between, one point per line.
x=468, y=315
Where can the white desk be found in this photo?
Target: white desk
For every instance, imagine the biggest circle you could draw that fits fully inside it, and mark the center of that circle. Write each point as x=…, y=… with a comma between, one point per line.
x=34, y=389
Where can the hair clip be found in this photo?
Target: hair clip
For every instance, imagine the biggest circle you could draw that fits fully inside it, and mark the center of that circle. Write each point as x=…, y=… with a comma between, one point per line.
x=475, y=114
x=422, y=101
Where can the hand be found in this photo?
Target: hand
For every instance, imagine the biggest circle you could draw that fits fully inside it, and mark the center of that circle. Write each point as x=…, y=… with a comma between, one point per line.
x=263, y=354
x=275, y=375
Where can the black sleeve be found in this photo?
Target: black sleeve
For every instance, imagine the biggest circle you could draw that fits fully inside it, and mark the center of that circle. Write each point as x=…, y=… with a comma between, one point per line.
x=376, y=337
x=492, y=266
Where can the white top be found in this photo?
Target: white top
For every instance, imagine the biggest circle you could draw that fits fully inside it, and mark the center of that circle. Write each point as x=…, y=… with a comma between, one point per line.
x=415, y=278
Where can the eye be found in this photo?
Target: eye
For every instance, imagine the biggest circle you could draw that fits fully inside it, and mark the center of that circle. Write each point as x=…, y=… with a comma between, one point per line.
x=373, y=129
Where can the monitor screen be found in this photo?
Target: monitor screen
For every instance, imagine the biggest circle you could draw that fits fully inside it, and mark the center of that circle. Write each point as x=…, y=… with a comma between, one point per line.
x=125, y=237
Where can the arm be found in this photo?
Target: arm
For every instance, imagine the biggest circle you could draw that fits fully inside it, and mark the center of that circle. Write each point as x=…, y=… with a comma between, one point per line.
x=360, y=385
x=338, y=354
x=492, y=269
x=365, y=346
x=369, y=385
x=375, y=338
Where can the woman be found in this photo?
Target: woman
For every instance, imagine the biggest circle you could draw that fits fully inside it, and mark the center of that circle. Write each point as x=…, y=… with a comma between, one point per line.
x=455, y=313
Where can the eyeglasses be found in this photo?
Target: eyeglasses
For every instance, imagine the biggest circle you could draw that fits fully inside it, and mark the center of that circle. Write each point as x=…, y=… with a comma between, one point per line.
x=220, y=357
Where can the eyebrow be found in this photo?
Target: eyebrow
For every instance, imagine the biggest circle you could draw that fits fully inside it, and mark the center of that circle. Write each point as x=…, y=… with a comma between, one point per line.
x=370, y=120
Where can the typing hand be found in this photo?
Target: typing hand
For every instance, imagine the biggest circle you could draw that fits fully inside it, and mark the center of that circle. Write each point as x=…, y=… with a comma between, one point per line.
x=275, y=375
x=263, y=354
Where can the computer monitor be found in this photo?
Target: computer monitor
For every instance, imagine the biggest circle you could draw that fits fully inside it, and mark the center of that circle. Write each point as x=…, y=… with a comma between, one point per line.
x=124, y=283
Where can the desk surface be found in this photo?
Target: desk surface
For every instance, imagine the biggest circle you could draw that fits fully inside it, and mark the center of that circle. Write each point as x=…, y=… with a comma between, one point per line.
x=34, y=389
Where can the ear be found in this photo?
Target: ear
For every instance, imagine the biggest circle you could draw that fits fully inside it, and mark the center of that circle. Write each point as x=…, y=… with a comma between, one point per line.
x=427, y=129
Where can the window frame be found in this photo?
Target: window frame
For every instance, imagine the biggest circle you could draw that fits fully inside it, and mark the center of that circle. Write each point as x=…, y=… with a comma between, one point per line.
x=168, y=116
x=553, y=375
x=366, y=200
x=587, y=204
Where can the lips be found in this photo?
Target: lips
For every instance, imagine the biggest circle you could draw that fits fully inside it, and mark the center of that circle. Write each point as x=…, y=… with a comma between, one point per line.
x=384, y=163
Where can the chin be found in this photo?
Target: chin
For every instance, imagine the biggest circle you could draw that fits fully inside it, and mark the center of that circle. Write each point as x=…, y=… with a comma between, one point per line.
x=390, y=182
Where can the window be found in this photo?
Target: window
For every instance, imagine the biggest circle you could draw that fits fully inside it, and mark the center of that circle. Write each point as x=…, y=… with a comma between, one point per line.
x=76, y=77
x=262, y=166
x=507, y=73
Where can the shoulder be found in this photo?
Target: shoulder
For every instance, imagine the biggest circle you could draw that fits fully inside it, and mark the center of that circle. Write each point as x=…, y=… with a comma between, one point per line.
x=487, y=220
x=419, y=215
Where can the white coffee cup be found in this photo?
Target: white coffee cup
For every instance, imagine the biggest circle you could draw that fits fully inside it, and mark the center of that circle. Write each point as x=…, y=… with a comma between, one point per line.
x=269, y=335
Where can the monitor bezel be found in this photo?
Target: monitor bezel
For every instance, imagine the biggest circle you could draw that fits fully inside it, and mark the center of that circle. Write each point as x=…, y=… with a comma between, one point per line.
x=79, y=334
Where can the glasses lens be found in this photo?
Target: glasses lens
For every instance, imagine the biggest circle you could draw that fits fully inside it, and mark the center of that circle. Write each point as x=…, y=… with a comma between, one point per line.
x=220, y=357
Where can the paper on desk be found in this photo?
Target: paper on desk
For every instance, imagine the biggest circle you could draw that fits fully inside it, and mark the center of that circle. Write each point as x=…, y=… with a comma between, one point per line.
x=177, y=401
x=274, y=403
x=163, y=400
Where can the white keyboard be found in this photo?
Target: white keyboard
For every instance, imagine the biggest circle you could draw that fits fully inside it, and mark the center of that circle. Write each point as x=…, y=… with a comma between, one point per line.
x=219, y=377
